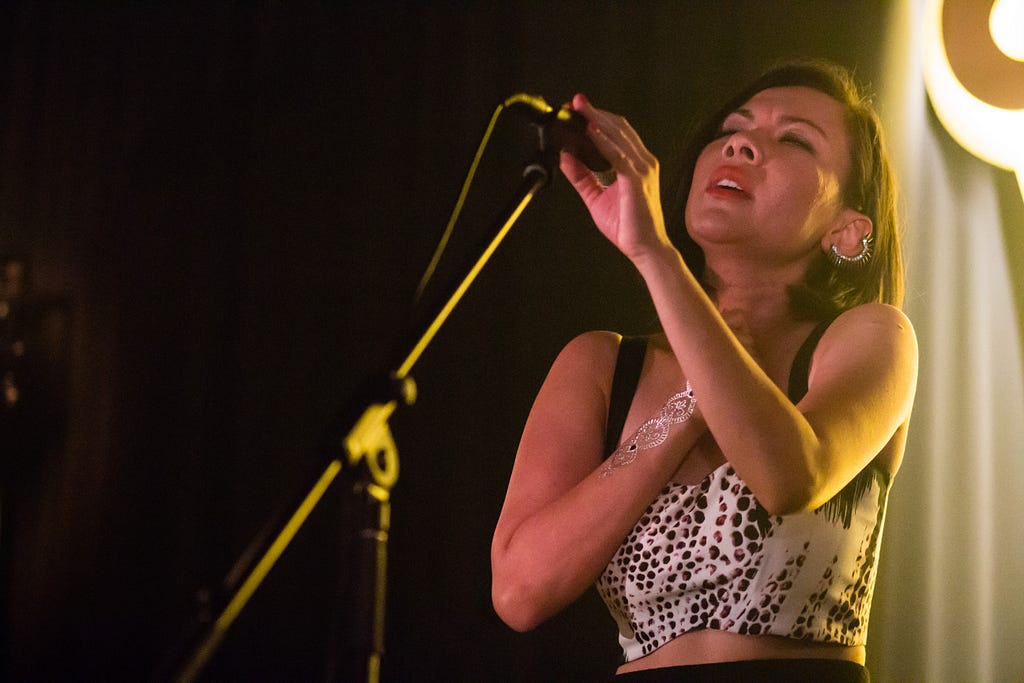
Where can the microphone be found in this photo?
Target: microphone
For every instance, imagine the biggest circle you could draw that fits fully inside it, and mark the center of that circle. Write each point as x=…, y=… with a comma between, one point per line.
x=562, y=129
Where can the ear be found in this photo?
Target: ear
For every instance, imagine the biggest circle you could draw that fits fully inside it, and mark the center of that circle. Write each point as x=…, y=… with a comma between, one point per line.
x=846, y=233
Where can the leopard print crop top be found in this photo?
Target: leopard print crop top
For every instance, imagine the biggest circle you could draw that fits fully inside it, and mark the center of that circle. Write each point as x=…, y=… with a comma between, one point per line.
x=708, y=556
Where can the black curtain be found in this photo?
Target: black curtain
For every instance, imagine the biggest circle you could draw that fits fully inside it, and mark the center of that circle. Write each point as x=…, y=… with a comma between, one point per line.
x=225, y=209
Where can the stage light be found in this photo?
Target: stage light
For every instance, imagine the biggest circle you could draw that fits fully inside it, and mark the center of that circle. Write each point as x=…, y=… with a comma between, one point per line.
x=974, y=73
x=1006, y=24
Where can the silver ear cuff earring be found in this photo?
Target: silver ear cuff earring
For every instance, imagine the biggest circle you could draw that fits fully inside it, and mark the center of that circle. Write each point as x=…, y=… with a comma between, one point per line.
x=860, y=259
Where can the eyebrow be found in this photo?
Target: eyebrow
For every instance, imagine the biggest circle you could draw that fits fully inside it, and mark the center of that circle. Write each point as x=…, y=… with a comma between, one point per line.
x=747, y=114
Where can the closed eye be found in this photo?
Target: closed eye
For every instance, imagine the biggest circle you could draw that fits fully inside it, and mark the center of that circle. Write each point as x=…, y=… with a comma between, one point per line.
x=734, y=123
x=797, y=141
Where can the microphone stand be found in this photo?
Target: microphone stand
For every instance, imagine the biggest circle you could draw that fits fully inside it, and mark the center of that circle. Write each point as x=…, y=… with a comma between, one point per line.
x=370, y=458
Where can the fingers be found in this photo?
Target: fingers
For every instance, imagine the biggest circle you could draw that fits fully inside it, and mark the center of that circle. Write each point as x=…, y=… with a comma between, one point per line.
x=614, y=137
x=573, y=169
x=634, y=170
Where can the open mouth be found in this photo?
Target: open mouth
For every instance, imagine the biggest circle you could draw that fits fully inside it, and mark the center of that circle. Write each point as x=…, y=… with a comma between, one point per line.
x=728, y=182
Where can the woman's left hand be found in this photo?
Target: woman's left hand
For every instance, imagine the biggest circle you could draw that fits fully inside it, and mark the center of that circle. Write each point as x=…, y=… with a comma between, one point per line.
x=628, y=211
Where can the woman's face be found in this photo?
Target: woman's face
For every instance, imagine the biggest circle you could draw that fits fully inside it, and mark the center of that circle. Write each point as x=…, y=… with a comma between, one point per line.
x=771, y=182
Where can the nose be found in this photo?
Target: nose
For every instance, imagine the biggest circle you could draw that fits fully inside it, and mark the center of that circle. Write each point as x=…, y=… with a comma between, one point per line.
x=741, y=146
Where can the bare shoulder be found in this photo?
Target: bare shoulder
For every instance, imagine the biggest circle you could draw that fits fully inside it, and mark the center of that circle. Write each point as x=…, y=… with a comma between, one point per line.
x=870, y=350
x=862, y=384
x=590, y=355
x=872, y=328
x=872, y=315
x=593, y=345
x=563, y=438
x=580, y=377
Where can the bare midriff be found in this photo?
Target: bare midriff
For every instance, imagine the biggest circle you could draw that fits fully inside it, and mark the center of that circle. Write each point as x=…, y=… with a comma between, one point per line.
x=707, y=646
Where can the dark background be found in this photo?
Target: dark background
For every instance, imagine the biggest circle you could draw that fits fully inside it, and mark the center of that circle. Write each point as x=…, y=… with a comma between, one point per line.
x=225, y=209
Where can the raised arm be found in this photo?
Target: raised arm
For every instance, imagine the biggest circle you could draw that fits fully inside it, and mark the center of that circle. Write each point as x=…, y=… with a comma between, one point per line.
x=864, y=372
x=793, y=458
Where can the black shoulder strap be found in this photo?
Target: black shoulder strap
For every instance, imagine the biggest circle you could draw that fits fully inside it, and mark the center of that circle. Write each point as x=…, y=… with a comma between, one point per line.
x=627, y=374
x=801, y=369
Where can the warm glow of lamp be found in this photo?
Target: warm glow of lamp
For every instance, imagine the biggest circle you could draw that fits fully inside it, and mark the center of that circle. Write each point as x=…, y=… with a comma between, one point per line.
x=974, y=73
x=1006, y=23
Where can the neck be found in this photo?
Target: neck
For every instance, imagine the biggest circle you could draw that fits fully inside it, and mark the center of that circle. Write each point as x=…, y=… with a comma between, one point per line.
x=760, y=297
x=754, y=302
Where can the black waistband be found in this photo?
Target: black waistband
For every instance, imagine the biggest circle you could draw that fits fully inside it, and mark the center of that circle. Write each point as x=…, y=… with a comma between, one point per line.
x=760, y=670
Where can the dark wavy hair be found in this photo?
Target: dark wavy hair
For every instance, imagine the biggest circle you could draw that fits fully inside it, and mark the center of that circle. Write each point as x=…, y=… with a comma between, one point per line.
x=870, y=188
